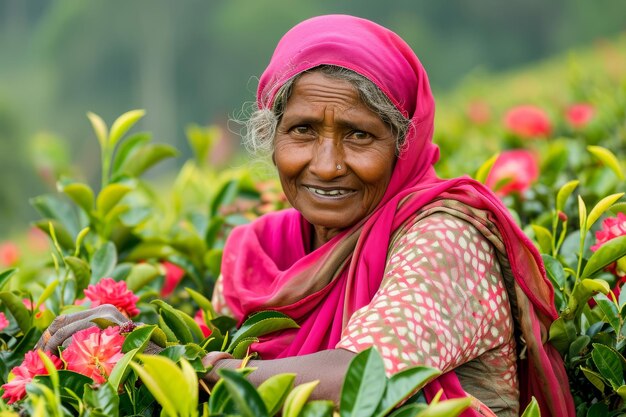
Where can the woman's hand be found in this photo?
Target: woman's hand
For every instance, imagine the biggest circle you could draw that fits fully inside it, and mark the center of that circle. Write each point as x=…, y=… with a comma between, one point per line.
x=59, y=333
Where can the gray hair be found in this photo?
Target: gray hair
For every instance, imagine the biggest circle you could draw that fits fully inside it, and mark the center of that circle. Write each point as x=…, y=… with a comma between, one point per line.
x=260, y=127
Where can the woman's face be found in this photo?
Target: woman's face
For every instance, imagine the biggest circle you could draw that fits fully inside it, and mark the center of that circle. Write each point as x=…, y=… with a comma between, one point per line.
x=326, y=125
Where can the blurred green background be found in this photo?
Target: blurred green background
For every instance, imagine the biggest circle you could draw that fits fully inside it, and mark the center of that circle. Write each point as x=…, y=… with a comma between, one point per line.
x=196, y=61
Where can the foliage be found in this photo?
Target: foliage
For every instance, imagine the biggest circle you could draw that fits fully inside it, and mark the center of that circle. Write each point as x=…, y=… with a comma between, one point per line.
x=165, y=245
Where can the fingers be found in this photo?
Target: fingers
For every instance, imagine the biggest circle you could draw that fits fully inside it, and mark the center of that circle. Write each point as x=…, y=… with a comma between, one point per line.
x=63, y=327
x=65, y=333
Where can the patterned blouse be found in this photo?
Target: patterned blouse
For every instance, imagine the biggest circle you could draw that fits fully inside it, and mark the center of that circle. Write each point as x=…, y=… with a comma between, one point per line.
x=442, y=303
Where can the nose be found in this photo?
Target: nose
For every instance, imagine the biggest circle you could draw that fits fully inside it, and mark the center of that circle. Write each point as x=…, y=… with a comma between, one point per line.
x=327, y=157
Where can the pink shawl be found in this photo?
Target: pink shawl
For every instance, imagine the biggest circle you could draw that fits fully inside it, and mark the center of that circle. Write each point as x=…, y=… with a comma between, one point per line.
x=267, y=265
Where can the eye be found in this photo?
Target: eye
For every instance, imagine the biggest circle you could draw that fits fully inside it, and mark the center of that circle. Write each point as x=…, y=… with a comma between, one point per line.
x=302, y=130
x=360, y=135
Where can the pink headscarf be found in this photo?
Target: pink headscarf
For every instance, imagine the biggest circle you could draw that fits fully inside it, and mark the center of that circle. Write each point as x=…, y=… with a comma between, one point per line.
x=267, y=265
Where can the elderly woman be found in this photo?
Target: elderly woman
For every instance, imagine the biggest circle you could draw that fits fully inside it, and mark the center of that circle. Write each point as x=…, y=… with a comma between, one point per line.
x=378, y=251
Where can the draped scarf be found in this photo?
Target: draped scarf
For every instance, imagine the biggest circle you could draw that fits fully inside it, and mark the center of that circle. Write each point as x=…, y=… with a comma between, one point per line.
x=268, y=264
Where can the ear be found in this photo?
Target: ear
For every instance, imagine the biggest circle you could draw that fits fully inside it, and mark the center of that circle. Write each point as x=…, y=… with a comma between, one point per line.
x=274, y=158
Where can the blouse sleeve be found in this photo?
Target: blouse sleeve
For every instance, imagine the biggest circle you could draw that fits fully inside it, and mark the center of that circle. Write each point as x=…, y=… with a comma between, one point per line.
x=441, y=303
x=218, y=301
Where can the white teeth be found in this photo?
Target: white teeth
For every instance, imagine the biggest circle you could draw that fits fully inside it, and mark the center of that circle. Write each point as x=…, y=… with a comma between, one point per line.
x=329, y=192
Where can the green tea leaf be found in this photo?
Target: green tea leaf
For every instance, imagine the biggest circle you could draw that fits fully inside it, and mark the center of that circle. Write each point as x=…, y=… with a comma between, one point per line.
x=141, y=275
x=127, y=148
x=562, y=334
x=447, y=408
x=122, y=368
x=609, y=364
x=6, y=275
x=607, y=158
x=47, y=292
x=294, y=403
x=532, y=410
x=594, y=377
x=166, y=382
x=110, y=196
x=262, y=323
x=17, y=309
x=606, y=254
x=563, y=194
x=544, y=238
x=241, y=350
x=99, y=127
x=554, y=270
x=609, y=309
x=410, y=410
x=485, y=168
x=318, y=408
x=82, y=273
x=146, y=157
x=582, y=214
x=103, y=261
x=364, y=385
x=582, y=292
x=202, y=302
x=577, y=346
x=618, y=208
x=403, y=384
x=64, y=238
x=123, y=124
x=138, y=339
x=274, y=391
x=602, y=206
x=103, y=400
x=621, y=391
x=246, y=398
x=81, y=194
x=174, y=321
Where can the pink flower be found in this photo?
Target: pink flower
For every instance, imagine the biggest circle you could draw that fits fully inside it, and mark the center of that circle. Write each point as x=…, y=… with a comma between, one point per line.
x=108, y=291
x=29, y=305
x=32, y=366
x=37, y=240
x=612, y=227
x=478, y=112
x=528, y=122
x=9, y=254
x=94, y=352
x=4, y=322
x=199, y=318
x=579, y=115
x=173, y=275
x=513, y=171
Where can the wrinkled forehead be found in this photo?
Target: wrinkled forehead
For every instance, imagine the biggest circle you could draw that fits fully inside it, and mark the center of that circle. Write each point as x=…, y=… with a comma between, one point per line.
x=350, y=42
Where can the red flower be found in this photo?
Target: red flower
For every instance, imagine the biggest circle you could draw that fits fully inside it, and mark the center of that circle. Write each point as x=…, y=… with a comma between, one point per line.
x=108, y=291
x=9, y=254
x=478, y=112
x=528, y=122
x=513, y=171
x=579, y=115
x=32, y=366
x=173, y=275
x=199, y=318
x=4, y=322
x=94, y=352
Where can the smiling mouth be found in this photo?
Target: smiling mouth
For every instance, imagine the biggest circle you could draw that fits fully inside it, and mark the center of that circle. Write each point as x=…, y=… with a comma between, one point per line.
x=329, y=193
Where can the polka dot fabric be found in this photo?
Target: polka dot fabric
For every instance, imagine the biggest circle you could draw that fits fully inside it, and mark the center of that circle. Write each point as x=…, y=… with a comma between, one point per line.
x=442, y=303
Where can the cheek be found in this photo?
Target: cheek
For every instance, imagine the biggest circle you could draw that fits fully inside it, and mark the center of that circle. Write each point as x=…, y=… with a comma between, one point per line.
x=375, y=170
